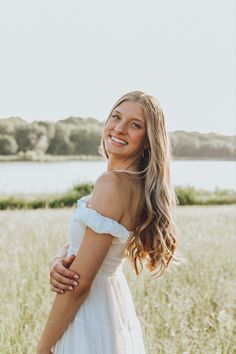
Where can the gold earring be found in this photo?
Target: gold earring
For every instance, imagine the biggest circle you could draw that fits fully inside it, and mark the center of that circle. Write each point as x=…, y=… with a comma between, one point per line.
x=145, y=154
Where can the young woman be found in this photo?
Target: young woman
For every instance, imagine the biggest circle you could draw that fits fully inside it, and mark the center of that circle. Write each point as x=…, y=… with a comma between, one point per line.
x=128, y=214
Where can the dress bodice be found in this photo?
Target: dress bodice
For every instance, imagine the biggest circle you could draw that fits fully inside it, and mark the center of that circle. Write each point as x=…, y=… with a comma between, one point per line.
x=83, y=217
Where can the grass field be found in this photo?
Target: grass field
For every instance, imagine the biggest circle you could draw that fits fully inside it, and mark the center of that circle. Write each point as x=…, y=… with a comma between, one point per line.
x=187, y=311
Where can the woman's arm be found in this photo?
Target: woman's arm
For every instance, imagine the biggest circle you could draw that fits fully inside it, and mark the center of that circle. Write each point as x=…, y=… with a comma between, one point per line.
x=61, y=277
x=87, y=262
x=92, y=251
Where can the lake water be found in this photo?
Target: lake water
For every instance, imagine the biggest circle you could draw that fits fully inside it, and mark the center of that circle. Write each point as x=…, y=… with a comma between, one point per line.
x=33, y=177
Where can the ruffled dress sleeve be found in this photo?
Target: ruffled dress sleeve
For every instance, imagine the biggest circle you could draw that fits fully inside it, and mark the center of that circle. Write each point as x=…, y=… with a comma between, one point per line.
x=100, y=223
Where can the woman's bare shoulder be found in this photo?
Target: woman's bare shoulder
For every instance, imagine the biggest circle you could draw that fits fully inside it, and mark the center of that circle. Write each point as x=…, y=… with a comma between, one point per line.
x=115, y=182
x=109, y=196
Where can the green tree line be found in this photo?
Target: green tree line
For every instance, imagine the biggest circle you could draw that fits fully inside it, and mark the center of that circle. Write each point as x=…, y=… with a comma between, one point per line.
x=79, y=136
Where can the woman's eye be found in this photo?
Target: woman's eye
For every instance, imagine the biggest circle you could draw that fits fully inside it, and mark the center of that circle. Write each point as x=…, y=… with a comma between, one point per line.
x=115, y=116
x=136, y=125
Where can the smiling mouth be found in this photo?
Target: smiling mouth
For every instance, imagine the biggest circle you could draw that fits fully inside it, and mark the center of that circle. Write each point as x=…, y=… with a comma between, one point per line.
x=118, y=141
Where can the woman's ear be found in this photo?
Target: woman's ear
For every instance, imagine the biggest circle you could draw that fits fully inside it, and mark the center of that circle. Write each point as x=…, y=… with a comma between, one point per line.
x=146, y=146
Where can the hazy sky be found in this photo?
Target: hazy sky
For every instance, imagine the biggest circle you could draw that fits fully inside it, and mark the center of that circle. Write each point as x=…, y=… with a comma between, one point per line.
x=61, y=58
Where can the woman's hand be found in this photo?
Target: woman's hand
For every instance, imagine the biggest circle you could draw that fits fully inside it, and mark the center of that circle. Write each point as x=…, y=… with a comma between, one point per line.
x=61, y=278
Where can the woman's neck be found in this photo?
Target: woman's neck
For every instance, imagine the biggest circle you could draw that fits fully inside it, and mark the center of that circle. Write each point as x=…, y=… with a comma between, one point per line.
x=129, y=165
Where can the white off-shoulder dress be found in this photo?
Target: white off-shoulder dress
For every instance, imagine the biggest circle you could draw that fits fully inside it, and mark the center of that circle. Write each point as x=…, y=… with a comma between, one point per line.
x=106, y=322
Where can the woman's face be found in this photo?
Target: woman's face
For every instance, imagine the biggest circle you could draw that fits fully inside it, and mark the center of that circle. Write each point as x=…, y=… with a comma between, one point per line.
x=125, y=131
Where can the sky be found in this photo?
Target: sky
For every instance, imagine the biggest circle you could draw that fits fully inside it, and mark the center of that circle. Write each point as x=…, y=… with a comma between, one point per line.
x=76, y=58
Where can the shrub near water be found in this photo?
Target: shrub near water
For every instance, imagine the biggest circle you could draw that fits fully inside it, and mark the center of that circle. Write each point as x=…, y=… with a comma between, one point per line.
x=192, y=196
x=188, y=310
x=67, y=199
x=185, y=195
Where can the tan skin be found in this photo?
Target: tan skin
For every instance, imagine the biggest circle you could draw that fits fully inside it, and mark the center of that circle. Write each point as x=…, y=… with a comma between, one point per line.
x=116, y=196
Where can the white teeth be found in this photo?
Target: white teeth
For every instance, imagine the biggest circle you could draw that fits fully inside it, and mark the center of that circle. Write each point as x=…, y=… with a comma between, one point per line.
x=118, y=140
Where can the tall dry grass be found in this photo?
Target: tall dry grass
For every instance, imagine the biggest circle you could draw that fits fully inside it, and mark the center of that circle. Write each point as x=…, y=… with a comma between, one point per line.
x=188, y=310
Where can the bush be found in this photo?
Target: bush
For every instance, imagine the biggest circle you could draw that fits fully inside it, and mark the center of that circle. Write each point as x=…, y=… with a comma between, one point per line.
x=8, y=145
x=186, y=196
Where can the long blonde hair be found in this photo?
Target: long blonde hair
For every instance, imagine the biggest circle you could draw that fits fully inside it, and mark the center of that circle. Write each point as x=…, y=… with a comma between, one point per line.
x=154, y=240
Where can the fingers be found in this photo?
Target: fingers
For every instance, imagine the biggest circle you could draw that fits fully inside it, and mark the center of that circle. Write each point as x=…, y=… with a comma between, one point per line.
x=60, y=268
x=59, y=286
x=68, y=260
x=61, y=283
x=61, y=278
x=64, y=280
x=58, y=291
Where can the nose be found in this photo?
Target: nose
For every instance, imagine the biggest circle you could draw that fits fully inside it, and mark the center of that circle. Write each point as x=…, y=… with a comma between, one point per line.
x=120, y=128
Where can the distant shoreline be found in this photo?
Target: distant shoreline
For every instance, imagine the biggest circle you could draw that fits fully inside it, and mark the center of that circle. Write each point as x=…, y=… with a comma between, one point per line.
x=50, y=158
x=64, y=158
x=185, y=195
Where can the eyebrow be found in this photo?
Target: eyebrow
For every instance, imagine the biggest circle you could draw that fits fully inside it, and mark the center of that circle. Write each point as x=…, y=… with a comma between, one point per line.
x=139, y=120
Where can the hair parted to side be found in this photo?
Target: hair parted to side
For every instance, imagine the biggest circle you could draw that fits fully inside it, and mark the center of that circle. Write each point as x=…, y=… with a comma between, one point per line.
x=154, y=240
